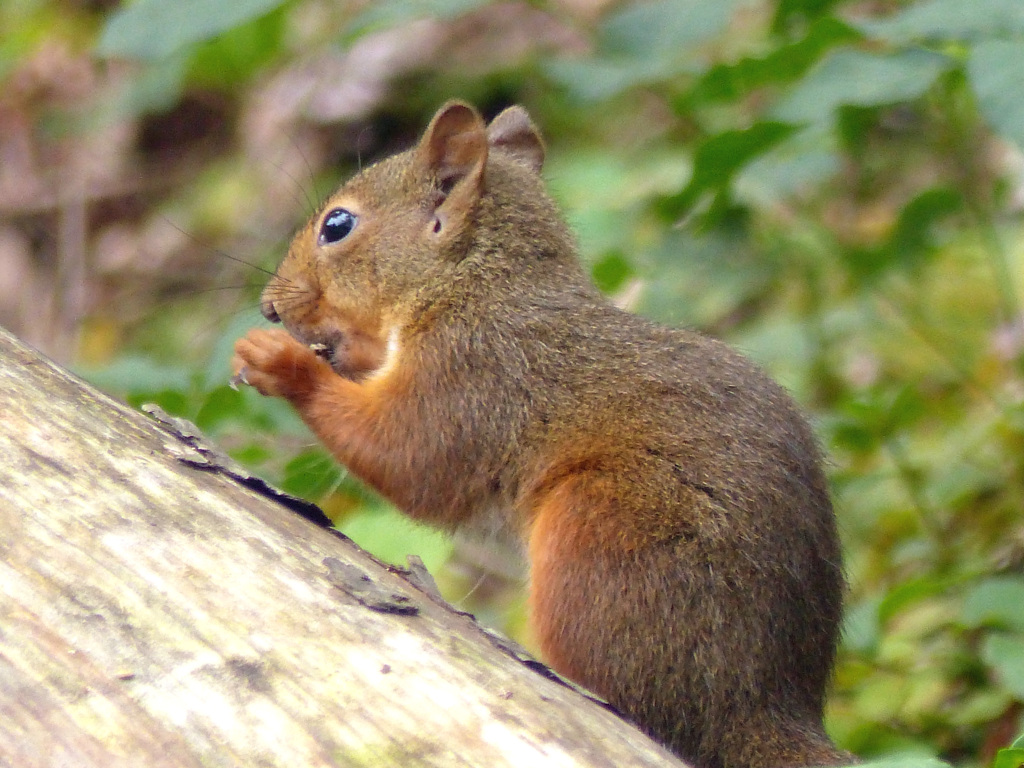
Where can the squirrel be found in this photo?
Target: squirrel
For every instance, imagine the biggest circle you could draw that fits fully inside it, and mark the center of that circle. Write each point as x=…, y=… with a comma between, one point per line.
x=444, y=343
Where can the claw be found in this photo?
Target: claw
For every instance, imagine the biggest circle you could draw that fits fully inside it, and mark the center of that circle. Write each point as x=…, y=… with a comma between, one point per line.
x=239, y=378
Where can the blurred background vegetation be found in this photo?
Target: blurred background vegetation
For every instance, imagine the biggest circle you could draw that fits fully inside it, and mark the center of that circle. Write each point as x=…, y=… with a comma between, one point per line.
x=834, y=187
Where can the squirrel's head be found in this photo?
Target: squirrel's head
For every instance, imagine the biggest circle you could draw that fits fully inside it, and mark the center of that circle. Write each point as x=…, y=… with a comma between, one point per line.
x=399, y=229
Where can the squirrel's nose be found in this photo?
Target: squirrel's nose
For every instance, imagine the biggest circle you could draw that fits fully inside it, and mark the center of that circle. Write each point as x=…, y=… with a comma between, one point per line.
x=267, y=308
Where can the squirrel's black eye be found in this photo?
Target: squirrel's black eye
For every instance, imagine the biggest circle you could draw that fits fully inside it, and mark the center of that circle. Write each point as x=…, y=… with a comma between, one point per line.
x=337, y=224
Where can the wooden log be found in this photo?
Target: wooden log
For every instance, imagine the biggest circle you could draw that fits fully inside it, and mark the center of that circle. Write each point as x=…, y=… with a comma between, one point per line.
x=158, y=607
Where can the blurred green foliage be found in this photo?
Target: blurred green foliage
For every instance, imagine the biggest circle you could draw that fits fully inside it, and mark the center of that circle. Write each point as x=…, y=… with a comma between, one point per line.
x=834, y=187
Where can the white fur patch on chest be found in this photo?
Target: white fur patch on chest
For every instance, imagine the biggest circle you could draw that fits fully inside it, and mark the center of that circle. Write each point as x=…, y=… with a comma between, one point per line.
x=391, y=354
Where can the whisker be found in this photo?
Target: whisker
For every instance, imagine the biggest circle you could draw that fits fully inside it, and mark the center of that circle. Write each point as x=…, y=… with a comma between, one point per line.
x=241, y=287
x=288, y=292
x=472, y=590
x=310, y=204
x=287, y=287
x=175, y=297
x=317, y=194
x=219, y=252
x=220, y=317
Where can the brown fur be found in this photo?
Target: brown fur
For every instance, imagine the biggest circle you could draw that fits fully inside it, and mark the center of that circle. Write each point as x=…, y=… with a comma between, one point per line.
x=684, y=558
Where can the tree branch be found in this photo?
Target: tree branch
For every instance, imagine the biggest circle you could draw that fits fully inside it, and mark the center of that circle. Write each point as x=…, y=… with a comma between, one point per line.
x=157, y=609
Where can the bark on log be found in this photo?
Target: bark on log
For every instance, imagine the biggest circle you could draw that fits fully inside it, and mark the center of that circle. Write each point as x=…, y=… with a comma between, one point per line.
x=155, y=611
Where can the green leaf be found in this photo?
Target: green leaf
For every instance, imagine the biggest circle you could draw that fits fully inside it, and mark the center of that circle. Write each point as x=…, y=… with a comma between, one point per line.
x=218, y=368
x=998, y=601
x=221, y=404
x=1005, y=654
x=382, y=15
x=914, y=233
x=138, y=374
x=644, y=43
x=857, y=78
x=910, y=593
x=904, y=761
x=599, y=79
x=796, y=166
x=153, y=29
x=912, y=239
x=611, y=272
x=850, y=434
x=788, y=12
x=311, y=474
x=696, y=279
x=391, y=536
x=783, y=65
x=231, y=58
x=157, y=88
x=252, y=455
x=883, y=411
x=948, y=19
x=171, y=400
x=663, y=29
x=719, y=158
x=1009, y=758
x=995, y=70
x=861, y=626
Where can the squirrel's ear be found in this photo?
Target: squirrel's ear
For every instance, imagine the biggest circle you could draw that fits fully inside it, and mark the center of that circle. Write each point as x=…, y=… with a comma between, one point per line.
x=454, y=146
x=513, y=132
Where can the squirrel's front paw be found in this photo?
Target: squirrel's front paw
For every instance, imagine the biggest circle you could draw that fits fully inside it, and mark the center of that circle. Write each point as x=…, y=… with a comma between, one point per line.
x=276, y=364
